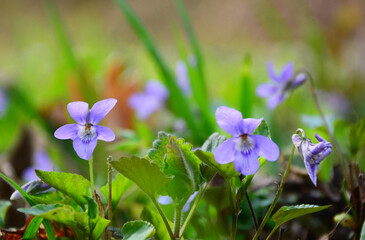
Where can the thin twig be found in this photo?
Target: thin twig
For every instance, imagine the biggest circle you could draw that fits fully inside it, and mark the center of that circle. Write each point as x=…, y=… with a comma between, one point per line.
x=252, y=212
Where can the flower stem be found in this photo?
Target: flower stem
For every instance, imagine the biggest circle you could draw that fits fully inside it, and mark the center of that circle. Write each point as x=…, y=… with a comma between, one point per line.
x=110, y=204
x=177, y=220
x=252, y=211
x=91, y=172
x=272, y=206
x=193, y=208
x=337, y=149
x=232, y=196
x=163, y=217
x=272, y=232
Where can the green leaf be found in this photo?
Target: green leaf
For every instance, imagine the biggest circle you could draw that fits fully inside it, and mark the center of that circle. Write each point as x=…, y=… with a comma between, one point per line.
x=151, y=215
x=263, y=130
x=100, y=226
x=48, y=197
x=145, y=174
x=73, y=185
x=183, y=166
x=213, y=142
x=157, y=153
x=137, y=230
x=92, y=209
x=225, y=170
x=287, y=213
x=54, y=212
x=32, y=228
x=4, y=207
x=119, y=185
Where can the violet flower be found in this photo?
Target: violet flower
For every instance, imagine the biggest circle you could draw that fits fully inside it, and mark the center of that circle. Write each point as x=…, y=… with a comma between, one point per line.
x=41, y=162
x=32, y=187
x=282, y=84
x=182, y=77
x=86, y=132
x=147, y=102
x=312, y=154
x=244, y=148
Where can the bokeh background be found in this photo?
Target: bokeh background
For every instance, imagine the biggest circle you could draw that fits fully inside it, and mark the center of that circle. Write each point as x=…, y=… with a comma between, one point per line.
x=100, y=56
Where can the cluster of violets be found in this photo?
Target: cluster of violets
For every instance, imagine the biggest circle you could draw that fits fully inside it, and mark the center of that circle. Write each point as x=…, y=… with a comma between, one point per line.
x=243, y=149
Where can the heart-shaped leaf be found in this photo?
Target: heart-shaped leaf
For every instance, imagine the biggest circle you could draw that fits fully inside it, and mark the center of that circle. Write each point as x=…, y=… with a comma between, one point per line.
x=73, y=185
x=147, y=175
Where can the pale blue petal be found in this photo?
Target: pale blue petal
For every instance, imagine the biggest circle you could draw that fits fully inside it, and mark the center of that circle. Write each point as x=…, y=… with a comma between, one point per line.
x=78, y=111
x=229, y=120
x=84, y=149
x=100, y=110
x=68, y=131
x=266, y=148
x=164, y=200
x=249, y=125
x=144, y=105
x=246, y=164
x=156, y=89
x=225, y=153
x=287, y=72
x=271, y=71
x=105, y=134
x=266, y=90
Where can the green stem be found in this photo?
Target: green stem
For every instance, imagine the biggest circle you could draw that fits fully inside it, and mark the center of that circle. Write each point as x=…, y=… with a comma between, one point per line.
x=193, y=208
x=177, y=220
x=91, y=173
x=233, y=209
x=163, y=217
x=110, y=204
x=272, y=206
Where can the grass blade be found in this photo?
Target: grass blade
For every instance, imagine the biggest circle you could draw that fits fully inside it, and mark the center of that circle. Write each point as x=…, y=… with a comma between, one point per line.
x=88, y=92
x=178, y=101
x=247, y=89
x=32, y=228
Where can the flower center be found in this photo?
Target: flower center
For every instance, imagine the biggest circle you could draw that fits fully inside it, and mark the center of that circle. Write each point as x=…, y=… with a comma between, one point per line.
x=87, y=132
x=245, y=144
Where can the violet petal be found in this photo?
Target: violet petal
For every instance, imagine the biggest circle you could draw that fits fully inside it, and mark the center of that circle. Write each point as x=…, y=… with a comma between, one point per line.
x=246, y=164
x=105, y=134
x=249, y=125
x=78, y=111
x=229, y=120
x=84, y=149
x=266, y=148
x=225, y=153
x=100, y=110
x=68, y=131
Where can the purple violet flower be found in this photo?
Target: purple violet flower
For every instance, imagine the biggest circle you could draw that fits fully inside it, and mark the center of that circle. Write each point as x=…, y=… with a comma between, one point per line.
x=282, y=84
x=147, y=102
x=182, y=77
x=86, y=133
x=312, y=154
x=32, y=187
x=243, y=149
x=42, y=162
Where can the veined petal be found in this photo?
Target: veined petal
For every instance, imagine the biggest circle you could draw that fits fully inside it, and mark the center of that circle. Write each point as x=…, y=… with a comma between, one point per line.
x=312, y=171
x=84, y=149
x=68, y=131
x=287, y=72
x=105, y=134
x=100, y=110
x=249, y=125
x=246, y=164
x=298, y=80
x=266, y=148
x=224, y=153
x=266, y=90
x=78, y=111
x=229, y=120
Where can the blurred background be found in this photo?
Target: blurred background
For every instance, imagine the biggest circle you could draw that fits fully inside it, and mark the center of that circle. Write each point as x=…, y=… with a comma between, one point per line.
x=56, y=52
